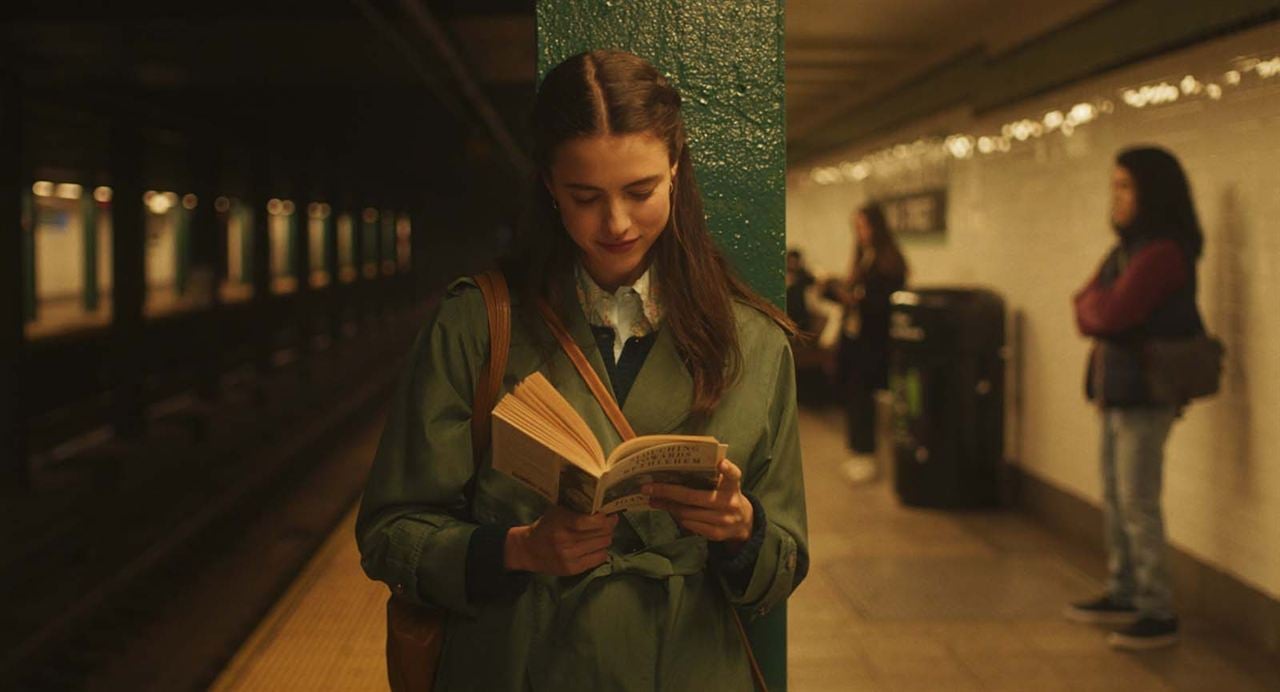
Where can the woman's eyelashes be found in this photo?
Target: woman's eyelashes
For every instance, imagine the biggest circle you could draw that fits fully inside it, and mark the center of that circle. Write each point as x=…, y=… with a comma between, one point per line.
x=637, y=195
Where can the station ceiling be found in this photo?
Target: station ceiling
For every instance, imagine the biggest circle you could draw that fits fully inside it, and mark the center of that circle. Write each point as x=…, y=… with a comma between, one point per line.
x=844, y=54
x=325, y=65
x=350, y=77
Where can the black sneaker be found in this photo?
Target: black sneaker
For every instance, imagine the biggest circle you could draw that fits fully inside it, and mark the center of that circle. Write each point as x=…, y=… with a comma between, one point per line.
x=1103, y=610
x=1146, y=633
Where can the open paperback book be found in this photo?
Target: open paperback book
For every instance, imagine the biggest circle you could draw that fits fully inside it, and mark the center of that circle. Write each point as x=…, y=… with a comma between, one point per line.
x=539, y=440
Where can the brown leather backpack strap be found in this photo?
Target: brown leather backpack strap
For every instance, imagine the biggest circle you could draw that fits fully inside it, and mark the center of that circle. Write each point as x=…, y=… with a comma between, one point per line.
x=589, y=376
x=497, y=303
x=757, y=675
x=610, y=406
x=415, y=634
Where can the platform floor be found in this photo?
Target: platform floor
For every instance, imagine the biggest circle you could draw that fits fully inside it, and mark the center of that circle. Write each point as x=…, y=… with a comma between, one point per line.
x=897, y=599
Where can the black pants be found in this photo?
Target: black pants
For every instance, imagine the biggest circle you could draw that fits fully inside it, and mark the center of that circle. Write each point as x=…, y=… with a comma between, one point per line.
x=860, y=413
x=863, y=368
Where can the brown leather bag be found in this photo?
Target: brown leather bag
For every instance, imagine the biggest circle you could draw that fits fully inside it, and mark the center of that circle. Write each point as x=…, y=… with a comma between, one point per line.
x=415, y=633
x=1179, y=370
x=620, y=423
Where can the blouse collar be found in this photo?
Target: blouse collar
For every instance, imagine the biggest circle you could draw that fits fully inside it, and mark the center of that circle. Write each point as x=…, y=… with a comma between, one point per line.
x=630, y=311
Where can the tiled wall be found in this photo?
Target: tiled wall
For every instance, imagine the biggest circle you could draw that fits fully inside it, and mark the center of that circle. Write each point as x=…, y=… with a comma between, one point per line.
x=1032, y=224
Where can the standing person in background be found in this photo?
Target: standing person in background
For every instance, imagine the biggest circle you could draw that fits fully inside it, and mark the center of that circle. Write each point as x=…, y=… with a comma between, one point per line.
x=1146, y=289
x=879, y=269
x=799, y=279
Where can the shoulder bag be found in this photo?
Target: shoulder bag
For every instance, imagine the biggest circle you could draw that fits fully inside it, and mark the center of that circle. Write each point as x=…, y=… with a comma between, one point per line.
x=1179, y=370
x=415, y=633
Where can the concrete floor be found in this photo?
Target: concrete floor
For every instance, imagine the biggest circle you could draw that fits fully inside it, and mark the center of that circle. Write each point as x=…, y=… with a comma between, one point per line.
x=909, y=599
x=897, y=599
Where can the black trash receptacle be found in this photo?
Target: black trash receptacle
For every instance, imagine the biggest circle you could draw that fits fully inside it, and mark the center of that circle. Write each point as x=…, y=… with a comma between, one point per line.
x=947, y=380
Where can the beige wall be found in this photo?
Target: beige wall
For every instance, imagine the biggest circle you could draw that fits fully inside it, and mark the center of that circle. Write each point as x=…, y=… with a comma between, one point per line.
x=162, y=249
x=59, y=249
x=1031, y=223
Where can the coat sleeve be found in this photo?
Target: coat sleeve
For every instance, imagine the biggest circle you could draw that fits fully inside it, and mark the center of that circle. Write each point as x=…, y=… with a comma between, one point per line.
x=413, y=528
x=1154, y=274
x=778, y=485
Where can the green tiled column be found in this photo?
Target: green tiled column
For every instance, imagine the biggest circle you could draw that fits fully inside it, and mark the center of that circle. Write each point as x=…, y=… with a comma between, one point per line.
x=128, y=364
x=89, y=271
x=726, y=60
x=291, y=243
x=371, y=255
x=387, y=219
x=30, y=221
x=247, y=230
x=182, y=250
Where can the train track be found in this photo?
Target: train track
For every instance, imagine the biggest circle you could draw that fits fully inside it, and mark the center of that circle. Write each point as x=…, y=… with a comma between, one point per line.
x=87, y=639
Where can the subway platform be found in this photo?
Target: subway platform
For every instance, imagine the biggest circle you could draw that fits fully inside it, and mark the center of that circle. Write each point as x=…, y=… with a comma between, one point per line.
x=897, y=599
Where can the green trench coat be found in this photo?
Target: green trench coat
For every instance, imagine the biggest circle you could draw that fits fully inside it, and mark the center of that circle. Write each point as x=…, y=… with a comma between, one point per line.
x=655, y=617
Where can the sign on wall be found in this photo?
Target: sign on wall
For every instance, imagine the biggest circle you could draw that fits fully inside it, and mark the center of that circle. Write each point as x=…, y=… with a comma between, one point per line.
x=917, y=214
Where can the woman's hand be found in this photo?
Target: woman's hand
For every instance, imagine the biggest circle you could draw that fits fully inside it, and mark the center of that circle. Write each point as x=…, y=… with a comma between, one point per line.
x=723, y=514
x=561, y=543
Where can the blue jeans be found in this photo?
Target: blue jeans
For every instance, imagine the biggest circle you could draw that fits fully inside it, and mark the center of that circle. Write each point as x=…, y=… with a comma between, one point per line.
x=1132, y=474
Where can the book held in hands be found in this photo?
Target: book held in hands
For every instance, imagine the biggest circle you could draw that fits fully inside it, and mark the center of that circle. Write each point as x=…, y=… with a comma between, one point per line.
x=541, y=441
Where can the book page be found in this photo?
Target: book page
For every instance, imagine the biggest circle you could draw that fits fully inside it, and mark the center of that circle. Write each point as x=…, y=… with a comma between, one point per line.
x=690, y=462
x=543, y=397
x=518, y=414
x=525, y=459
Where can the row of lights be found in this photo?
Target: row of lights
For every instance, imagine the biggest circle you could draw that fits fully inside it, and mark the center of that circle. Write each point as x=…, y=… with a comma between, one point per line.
x=72, y=191
x=157, y=202
x=277, y=207
x=161, y=202
x=1161, y=93
x=882, y=161
x=1064, y=121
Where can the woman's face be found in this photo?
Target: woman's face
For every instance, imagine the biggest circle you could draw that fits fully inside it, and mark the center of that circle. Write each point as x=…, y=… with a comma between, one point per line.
x=1124, y=198
x=862, y=229
x=614, y=194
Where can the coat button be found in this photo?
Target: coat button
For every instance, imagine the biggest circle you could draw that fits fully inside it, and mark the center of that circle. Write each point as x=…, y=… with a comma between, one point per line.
x=399, y=589
x=791, y=562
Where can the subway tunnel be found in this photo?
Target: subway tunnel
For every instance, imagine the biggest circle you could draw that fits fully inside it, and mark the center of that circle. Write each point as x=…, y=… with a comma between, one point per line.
x=227, y=224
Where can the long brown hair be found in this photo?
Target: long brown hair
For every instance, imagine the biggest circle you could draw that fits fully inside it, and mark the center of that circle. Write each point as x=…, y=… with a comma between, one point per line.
x=1165, y=207
x=617, y=93
x=886, y=258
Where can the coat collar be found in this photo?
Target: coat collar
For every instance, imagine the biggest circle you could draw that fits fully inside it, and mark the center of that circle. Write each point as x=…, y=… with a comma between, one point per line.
x=659, y=400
